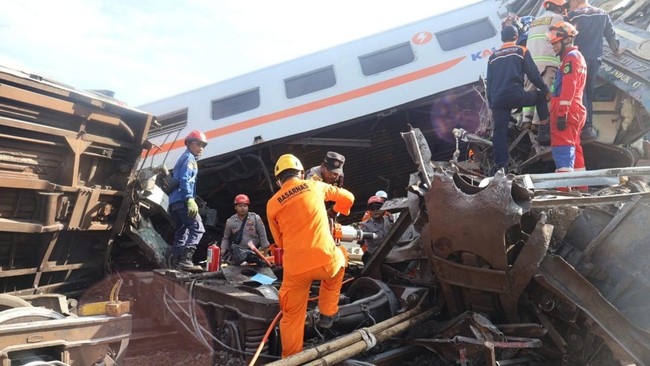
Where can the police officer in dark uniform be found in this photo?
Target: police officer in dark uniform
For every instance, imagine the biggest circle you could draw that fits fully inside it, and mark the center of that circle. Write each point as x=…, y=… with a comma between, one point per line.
x=505, y=90
x=330, y=171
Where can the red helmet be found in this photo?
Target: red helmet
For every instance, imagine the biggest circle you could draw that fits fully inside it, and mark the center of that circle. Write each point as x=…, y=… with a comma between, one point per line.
x=560, y=31
x=375, y=199
x=196, y=135
x=242, y=198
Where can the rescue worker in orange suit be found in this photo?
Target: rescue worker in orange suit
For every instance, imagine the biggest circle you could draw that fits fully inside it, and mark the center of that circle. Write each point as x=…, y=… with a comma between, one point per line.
x=568, y=114
x=299, y=224
x=592, y=24
x=242, y=229
x=505, y=91
x=379, y=224
x=184, y=210
x=545, y=59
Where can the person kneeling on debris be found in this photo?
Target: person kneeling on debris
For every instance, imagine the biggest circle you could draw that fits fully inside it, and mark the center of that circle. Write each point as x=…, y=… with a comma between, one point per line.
x=184, y=209
x=300, y=226
x=243, y=229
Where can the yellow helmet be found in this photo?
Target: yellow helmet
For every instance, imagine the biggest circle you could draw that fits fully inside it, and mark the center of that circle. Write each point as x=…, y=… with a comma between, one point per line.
x=287, y=161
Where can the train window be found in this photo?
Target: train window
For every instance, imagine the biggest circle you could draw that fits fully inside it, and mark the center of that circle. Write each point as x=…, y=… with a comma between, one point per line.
x=465, y=34
x=235, y=104
x=310, y=82
x=170, y=122
x=386, y=59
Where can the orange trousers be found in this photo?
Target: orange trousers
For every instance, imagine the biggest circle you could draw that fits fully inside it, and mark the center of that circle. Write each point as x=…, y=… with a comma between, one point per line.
x=294, y=294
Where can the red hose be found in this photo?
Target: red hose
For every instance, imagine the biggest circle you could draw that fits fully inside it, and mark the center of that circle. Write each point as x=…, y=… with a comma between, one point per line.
x=275, y=320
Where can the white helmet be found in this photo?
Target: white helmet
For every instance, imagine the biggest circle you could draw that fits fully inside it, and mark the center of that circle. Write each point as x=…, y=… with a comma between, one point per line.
x=382, y=194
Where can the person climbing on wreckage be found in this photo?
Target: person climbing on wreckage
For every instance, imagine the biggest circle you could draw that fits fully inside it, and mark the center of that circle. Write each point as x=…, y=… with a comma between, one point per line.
x=505, y=91
x=568, y=113
x=545, y=59
x=242, y=230
x=299, y=224
x=183, y=207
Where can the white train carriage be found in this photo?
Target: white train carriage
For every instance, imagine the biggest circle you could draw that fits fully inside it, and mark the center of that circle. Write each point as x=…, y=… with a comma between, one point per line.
x=339, y=84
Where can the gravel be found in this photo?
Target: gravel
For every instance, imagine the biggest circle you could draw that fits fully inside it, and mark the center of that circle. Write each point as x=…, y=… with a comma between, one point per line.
x=183, y=356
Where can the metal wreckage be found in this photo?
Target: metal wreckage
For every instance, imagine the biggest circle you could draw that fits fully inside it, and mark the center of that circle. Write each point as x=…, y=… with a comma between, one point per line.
x=492, y=271
x=499, y=271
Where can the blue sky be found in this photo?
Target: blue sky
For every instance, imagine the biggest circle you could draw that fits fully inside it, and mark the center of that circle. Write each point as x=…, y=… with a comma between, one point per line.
x=145, y=50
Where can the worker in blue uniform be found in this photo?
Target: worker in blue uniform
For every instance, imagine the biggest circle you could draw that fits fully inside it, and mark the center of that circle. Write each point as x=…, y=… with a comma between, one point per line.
x=182, y=204
x=505, y=91
x=592, y=24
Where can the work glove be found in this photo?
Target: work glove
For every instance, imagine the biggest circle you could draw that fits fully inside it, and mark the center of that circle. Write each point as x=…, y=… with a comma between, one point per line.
x=561, y=123
x=192, y=208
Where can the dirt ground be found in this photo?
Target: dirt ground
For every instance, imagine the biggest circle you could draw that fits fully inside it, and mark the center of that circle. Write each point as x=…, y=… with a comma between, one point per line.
x=185, y=357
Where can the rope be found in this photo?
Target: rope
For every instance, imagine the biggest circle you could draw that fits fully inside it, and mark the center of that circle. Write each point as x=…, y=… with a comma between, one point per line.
x=368, y=337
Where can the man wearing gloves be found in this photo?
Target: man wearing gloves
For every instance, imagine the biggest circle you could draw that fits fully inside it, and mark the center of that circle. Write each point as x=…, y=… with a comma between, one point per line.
x=184, y=210
x=568, y=113
x=299, y=224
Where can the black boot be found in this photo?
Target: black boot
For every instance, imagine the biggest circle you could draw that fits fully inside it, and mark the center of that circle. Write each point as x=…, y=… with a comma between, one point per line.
x=172, y=260
x=588, y=134
x=186, y=263
x=544, y=135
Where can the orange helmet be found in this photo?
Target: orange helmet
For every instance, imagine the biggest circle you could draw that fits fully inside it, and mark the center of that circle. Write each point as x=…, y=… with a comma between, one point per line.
x=196, y=135
x=560, y=31
x=375, y=199
x=242, y=198
x=559, y=3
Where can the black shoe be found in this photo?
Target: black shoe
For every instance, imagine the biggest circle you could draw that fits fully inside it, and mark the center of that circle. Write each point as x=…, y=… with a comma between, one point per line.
x=589, y=134
x=544, y=135
x=186, y=264
x=326, y=321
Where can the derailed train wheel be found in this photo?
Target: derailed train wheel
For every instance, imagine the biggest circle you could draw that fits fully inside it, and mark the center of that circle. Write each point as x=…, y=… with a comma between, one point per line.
x=371, y=301
x=15, y=312
x=9, y=302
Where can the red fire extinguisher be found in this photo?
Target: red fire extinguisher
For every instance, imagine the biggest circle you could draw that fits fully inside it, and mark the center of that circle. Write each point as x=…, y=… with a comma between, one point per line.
x=214, y=258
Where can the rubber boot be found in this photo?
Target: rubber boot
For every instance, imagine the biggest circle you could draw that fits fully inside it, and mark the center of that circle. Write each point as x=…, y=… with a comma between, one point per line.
x=186, y=263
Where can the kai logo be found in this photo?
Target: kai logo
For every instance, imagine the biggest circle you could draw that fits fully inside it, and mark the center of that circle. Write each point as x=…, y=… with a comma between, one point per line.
x=421, y=38
x=483, y=54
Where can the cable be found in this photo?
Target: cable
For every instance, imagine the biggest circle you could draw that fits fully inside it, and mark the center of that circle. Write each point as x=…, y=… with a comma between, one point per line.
x=266, y=336
x=203, y=330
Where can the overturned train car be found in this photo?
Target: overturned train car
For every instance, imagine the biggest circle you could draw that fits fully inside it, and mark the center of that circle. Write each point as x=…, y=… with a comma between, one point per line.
x=67, y=160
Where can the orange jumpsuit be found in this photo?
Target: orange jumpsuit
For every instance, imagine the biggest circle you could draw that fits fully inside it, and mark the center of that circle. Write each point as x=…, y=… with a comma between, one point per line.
x=299, y=224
